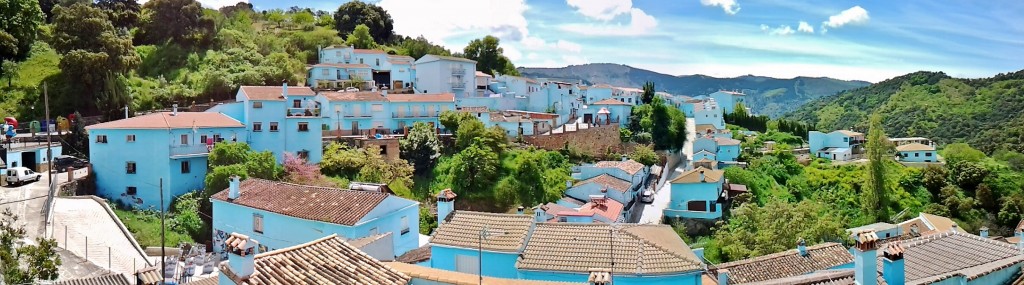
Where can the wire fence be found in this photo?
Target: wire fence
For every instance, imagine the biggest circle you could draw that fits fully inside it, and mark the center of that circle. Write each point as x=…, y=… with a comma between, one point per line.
x=102, y=251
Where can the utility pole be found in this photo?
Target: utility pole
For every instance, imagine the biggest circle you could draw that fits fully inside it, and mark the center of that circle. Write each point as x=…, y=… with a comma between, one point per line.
x=163, y=248
x=49, y=157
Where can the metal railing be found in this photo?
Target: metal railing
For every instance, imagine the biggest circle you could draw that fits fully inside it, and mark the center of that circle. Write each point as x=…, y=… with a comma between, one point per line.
x=424, y=114
x=458, y=70
x=183, y=150
x=304, y=112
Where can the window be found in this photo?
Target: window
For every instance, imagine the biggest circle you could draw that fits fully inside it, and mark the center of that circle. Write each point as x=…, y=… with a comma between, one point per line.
x=405, y=225
x=257, y=105
x=360, y=61
x=467, y=264
x=186, y=167
x=130, y=138
x=273, y=126
x=131, y=190
x=217, y=138
x=184, y=139
x=377, y=107
x=917, y=154
x=257, y=126
x=928, y=154
x=129, y=167
x=697, y=206
x=202, y=139
x=303, y=127
x=378, y=62
x=629, y=100
x=296, y=103
x=303, y=154
x=257, y=223
x=101, y=139
x=713, y=206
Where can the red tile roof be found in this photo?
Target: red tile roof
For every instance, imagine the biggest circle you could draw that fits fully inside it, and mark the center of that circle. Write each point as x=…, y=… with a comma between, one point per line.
x=341, y=65
x=365, y=96
x=608, y=208
x=332, y=205
x=440, y=97
x=369, y=51
x=608, y=181
x=273, y=93
x=609, y=101
x=417, y=255
x=165, y=120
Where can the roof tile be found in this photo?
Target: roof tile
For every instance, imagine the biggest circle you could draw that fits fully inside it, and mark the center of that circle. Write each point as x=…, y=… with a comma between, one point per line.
x=169, y=120
x=329, y=260
x=332, y=205
x=108, y=279
x=463, y=228
x=439, y=97
x=578, y=247
x=607, y=181
x=629, y=166
x=273, y=93
x=787, y=263
x=693, y=176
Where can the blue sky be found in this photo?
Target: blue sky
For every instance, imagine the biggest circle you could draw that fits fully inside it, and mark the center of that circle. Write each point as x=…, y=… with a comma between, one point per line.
x=865, y=40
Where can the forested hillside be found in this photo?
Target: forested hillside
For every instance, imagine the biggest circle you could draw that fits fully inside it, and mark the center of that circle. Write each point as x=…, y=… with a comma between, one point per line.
x=767, y=96
x=986, y=113
x=98, y=57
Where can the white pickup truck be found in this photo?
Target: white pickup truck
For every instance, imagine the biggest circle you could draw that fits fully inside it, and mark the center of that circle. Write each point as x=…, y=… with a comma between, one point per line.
x=20, y=175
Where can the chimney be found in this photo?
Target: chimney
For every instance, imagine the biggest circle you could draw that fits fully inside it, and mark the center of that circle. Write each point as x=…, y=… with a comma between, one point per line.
x=284, y=89
x=625, y=158
x=520, y=210
x=954, y=228
x=702, y=176
x=384, y=92
x=984, y=232
x=599, y=276
x=865, y=270
x=233, y=191
x=241, y=254
x=1020, y=238
x=539, y=215
x=723, y=277
x=445, y=204
x=174, y=109
x=801, y=247
x=893, y=271
x=568, y=184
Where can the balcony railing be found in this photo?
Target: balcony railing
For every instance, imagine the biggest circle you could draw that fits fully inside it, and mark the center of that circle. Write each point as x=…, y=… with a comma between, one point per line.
x=458, y=70
x=304, y=112
x=458, y=84
x=426, y=114
x=190, y=150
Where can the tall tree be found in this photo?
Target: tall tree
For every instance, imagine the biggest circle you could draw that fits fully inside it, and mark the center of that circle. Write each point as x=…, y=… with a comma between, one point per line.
x=361, y=38
x=303, y=19
x=180, y=21
x=25, y=264
x=91, y=47
x=19, y=22
x=421, y=147
x=476, y=169
x=420, y=46
x=355, y=13
x=8, y=69
x=113, y=96
x=876, y=196
x=759, y=230
x=645, y=155
x=124, y=14
x=648, y=94
x=276, y=16
x=529, y=173
x=489, y=56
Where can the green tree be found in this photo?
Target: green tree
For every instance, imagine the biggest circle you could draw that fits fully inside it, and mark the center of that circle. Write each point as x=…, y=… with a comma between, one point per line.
x=755, y=231
x=420, y=46
x=529, y=174
x=934, y=178
x=468, y=132
x=451, y=119
x=377, y=169
x=9, y=69
x=217, y=179
x=25, y=264
x=986, y=198
x=342, y=161
x=648, y=96
x=180, y=21
x=957, y=152
x=355, y=13
x=421, y=147
x=476, y=168
x=645, y=155
x=263, y=165
x=276, y=16
x=968, y=175
x=113, y=96
x=325, y=20
x=361, y=38
x=19, y=23
x=124, y=14
x=304, y=19
x=489, y=56
x=876, y=196
x=228, y=153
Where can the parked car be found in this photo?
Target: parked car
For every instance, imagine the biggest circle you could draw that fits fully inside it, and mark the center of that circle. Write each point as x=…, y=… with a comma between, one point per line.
x=20, y=175
x=61, y=163
x=351, y=89
x=647, y=196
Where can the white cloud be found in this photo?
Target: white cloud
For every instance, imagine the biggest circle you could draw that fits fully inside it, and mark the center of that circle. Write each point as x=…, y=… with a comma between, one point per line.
x=511, y=52
x=568, y=46
x=782, y=30
x=854, y=15
x=805, y=27
x=442, y=19
x=601, y=9
x=729, y=6
x=640, y=23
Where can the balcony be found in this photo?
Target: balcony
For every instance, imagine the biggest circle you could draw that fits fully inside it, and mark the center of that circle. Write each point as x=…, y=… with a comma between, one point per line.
x=427, y=114
x=303, y=112
x=458, y=70
x=458, y=84
x=190, y=150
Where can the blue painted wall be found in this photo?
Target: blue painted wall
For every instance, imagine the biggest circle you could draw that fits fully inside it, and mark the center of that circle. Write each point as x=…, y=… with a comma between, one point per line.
x=682, y=193
x=728, y=152
x=495, y=264
x=919, y=156
x=583, y=192
x=727, y=101
x=287, y=138
x=818, y=140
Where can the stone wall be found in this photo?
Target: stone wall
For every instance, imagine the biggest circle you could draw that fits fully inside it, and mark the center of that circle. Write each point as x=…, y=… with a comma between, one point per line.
x=595, y=140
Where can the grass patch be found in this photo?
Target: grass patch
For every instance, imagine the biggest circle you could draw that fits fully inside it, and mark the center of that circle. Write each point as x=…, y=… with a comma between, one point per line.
x=145, y=226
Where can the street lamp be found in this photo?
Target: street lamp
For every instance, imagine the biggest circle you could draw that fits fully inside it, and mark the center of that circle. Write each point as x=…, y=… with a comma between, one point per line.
x=484, y=233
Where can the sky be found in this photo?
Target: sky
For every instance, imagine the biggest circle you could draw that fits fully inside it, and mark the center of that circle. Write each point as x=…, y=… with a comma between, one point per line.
x=853, y=40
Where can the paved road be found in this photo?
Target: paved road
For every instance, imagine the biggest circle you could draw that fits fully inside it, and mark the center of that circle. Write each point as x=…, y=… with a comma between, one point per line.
x=653, y=212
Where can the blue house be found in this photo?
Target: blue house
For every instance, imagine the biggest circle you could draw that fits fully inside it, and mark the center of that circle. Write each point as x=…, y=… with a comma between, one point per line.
x=393, y=71
x=339, y=76
x=837, y=145
x=515, y=247
x=728, y=149
x=715, y=148
x=131, y=157
x=697, y=194
x=30, y=155
x=518, y=85
x=282, y=119
x=445, y=74
x=355, y=113
x=557, y=97
x=916, y=152
x=282, y=215
x=728, y=100
x=708, y=113
x=408, y=109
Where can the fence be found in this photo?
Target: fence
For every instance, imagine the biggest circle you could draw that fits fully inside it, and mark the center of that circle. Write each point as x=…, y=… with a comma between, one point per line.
x=96, y=250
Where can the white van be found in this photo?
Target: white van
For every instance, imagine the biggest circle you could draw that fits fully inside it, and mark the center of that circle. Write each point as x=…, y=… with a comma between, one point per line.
x=20, y=175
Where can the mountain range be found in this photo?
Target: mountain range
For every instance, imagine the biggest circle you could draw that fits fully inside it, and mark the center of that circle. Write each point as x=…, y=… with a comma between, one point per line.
x=766, y=95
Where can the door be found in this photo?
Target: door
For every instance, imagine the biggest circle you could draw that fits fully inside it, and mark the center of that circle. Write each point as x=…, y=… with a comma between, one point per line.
x=588, y=118
x=355, y=128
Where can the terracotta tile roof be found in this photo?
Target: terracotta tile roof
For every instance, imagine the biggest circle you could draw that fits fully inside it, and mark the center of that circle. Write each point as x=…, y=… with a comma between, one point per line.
x=554, y=208
x=273, y=93
x=607, y=181
x=366, y=96
x=214, y=280
x=943, y=255
x=573, y=201
x=609, y=101
x=609, y=209
x=417, y=255
x=462, y=229
x=482, y=74
x=440, y=276
x=447, y=194
x=440, y=97
x=149, y=275
x=915, y=147
x=109, y=279
x=332, y=205
x=787, y=263
x=327, y=260
x=637, y=249
x=368, y=51
x=629, y=166
x=693, y=176
x=727, y=141
x=822, y=277
x=340, y=65
x=164, y=120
